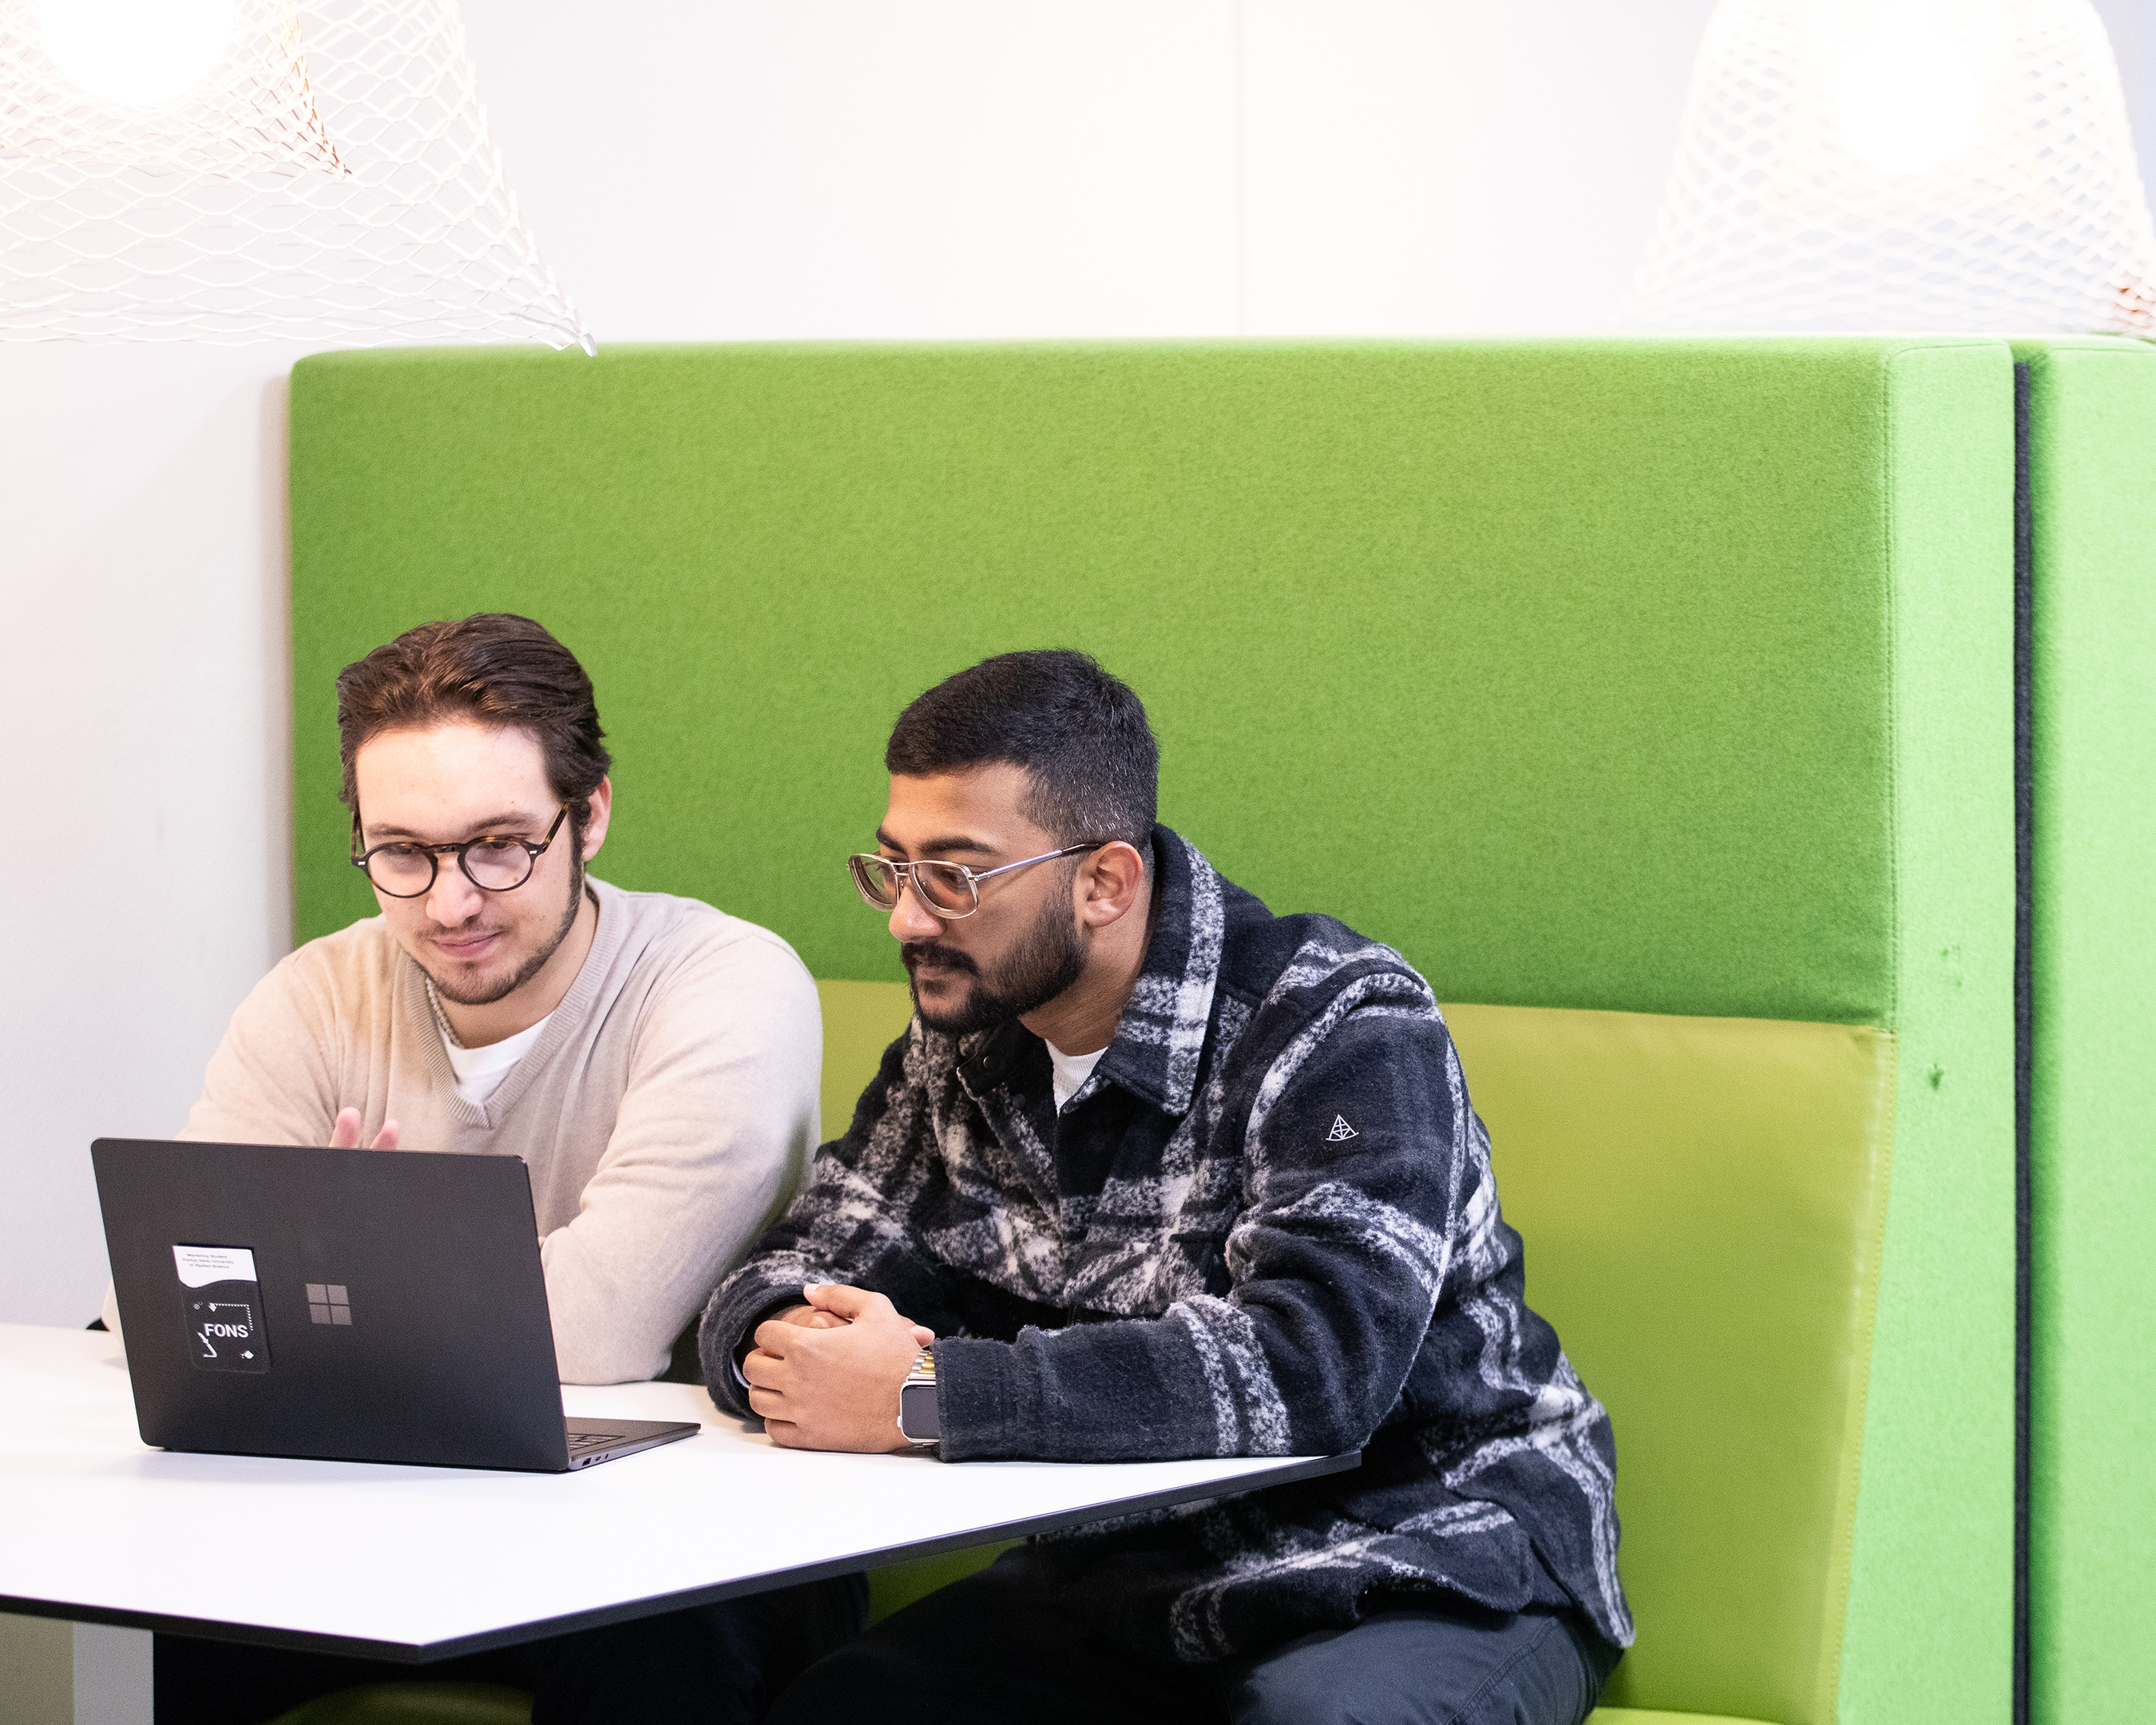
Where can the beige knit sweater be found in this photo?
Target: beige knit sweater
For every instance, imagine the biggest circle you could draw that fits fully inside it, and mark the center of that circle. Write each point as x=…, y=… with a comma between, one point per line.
x=667, y=1110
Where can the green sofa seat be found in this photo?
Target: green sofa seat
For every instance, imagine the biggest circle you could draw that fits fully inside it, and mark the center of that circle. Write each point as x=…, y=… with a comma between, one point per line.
x=417, y=1703
x=1635, y=1716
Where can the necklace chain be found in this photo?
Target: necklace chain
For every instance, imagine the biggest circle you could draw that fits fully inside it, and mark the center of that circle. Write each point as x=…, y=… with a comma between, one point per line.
x=442, y=1018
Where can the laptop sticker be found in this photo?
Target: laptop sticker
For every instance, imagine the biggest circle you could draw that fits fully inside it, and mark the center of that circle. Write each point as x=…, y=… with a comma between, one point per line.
x=224, y=1302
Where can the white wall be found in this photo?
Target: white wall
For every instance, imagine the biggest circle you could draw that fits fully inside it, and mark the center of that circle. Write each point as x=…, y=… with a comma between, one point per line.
x=715, y=170
x=2132, y=27
x=145, y=872
x=862, y=167
x=754, y=169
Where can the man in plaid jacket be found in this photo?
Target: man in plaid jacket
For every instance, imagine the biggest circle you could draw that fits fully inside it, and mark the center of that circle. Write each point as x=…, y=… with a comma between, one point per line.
x=1152, y=1173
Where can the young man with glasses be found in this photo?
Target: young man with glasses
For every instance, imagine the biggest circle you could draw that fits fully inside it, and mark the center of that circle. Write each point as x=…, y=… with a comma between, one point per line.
x=1170, y=1175
x=654, y=1061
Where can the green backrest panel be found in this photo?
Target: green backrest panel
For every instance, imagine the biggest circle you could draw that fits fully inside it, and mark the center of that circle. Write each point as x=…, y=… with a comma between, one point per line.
x=2092, y=1597
x=1669, y=678
x=860, y=1021
x=1703, y=1201
x=1317, y=561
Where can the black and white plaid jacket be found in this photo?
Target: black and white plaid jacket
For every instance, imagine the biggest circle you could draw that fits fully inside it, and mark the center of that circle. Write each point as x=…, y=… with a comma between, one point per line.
x=1265, y=1226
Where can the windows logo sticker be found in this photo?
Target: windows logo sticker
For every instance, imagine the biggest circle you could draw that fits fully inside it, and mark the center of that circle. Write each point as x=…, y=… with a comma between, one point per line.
x=329, y=1302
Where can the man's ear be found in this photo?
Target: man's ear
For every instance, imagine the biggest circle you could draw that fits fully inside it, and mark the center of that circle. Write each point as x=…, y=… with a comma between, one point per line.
x=1113, y=881
x=595, y=828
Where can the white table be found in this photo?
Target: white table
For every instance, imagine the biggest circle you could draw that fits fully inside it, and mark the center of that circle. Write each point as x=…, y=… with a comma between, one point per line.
x=419, y=1563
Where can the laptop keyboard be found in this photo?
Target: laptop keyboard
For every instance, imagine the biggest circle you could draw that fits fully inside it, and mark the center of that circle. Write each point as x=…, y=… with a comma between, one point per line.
x=592, y=1439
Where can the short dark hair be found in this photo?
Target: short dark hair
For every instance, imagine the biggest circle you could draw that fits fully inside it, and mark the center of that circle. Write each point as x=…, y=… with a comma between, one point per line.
x=1081, y=734
x=494, y=668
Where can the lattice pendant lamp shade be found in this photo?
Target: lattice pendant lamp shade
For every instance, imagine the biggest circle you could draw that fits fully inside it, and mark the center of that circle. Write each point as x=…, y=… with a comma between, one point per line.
x=1903, y=165
x=240, y=170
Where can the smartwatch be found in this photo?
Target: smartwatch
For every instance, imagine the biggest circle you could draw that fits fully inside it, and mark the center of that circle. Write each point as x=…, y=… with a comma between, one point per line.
x=917, y=1422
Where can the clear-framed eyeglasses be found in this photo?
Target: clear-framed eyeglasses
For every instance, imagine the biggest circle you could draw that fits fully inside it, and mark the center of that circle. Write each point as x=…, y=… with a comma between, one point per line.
x=493, y=863
x=951, y=890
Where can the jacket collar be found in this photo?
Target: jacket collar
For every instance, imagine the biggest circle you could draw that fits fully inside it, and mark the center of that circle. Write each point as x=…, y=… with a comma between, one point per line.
x=1155, y=1051
x=1162, y=1033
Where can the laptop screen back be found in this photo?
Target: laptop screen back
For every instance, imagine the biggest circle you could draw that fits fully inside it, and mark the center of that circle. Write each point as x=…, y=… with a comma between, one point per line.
x=352, y=1305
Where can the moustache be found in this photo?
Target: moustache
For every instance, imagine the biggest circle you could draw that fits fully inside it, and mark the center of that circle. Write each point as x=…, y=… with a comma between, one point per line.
x=930, y=952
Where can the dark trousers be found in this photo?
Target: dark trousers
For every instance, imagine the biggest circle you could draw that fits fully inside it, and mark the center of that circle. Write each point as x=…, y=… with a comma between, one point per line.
x=710, y=1665
x=994, y=1648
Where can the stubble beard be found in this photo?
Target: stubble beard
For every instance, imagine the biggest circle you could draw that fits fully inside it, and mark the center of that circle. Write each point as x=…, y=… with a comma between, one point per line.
x=1048, y=960
x=487, y=993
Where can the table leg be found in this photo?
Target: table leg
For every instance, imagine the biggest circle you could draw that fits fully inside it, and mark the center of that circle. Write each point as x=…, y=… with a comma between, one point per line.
x=112, y=1676
x=36, y=1655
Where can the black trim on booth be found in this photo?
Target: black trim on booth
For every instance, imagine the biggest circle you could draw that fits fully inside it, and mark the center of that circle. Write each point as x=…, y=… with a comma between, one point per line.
x=2024, y=834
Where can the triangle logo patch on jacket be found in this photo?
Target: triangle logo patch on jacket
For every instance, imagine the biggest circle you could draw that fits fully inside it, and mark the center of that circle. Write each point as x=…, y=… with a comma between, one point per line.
x=1341, y=1130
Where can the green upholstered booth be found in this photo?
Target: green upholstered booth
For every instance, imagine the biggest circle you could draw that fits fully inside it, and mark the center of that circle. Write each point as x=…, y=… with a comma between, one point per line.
x=2092, y=1138
x=1655, y=699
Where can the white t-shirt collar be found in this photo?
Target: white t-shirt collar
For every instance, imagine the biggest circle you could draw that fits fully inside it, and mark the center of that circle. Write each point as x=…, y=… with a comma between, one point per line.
x=1071, y=1070
x=480, y=1070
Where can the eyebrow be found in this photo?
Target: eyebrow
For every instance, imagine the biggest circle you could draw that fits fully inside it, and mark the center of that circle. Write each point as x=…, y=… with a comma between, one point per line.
x=492, y=824
x=949, y=841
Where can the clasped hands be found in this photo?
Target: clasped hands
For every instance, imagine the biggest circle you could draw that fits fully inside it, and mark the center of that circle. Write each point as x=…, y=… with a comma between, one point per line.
x=826, y=1375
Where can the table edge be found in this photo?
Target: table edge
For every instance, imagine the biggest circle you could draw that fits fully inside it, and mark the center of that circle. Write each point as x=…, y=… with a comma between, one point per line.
x=423, y=1653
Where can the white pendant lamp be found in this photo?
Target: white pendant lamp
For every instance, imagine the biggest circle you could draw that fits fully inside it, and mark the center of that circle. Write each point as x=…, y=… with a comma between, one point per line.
x=1903, y=165
x=241, y=170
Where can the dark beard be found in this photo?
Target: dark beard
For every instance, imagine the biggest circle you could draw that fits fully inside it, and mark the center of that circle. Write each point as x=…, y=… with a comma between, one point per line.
x=1046, y=961
x=537, y=962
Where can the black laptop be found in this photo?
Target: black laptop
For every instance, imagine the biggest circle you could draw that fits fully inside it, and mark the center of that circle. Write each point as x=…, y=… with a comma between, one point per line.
x=344, y=1305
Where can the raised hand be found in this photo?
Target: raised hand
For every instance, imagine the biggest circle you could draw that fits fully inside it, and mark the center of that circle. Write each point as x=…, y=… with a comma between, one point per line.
x=344, y=1134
